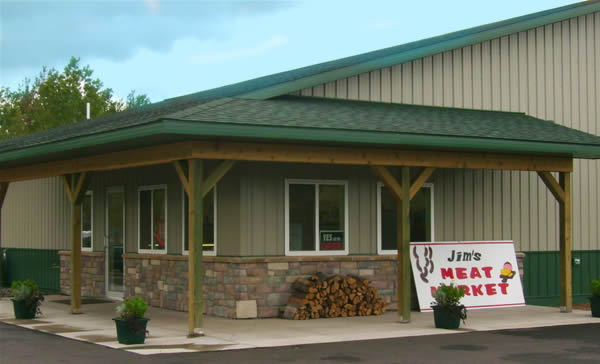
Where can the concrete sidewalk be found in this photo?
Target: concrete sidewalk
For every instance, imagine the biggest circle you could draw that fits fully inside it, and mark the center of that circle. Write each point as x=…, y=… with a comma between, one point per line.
x=168, y=329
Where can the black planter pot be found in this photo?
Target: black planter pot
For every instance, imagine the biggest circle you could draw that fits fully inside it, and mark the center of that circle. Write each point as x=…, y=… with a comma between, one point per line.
x=131, y=331
x=23, y=309
x=595, y=303
x=446, y=317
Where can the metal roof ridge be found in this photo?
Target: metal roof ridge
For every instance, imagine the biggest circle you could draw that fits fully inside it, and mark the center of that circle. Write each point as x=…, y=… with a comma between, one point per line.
x=422, y=48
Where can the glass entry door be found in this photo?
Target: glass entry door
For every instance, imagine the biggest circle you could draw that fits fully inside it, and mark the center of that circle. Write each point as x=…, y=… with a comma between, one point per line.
x=114, y=239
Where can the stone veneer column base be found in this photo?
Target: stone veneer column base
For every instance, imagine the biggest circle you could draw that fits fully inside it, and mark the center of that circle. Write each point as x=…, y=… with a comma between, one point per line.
x=92, y=273
x=248, y=287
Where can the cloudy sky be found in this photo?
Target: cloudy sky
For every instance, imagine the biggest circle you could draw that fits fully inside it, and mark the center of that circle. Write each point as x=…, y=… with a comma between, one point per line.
x=167, y=48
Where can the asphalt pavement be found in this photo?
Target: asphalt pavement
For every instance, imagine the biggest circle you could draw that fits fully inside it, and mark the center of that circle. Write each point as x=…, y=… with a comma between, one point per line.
x=556, y=344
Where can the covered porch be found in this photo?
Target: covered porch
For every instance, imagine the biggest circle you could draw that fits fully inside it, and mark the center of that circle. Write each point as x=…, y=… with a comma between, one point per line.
x=382, y=137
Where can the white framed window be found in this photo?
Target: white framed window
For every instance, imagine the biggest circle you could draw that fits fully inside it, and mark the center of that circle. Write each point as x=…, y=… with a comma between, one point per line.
x=209, y=242
x=87, y=222
x=152, y=219
x=316, y=217
x=421, y=218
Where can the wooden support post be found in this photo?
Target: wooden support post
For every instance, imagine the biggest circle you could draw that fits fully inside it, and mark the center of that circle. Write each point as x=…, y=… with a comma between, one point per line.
x=75, y=258
x=566, y=289
x=195, y=258
x=3, y=191
x=403, y=192
x=196, y=187
x=403, y=230
x=75, y=186
x=562, y=192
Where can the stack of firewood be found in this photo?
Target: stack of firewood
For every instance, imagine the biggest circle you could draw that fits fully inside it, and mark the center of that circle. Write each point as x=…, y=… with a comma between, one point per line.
x=321, y=296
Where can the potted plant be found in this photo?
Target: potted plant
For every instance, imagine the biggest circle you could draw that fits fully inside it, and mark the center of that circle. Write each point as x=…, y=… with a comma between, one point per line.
x=595, y=298
x=447, y=310
x=27, y=299
x=131, y=323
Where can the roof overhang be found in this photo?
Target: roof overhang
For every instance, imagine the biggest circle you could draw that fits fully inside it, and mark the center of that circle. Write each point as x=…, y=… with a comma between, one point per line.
x=168, y=131
x=169, y=140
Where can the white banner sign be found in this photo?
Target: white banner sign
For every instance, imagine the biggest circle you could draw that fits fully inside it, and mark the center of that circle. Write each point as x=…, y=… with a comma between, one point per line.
x=488, y=270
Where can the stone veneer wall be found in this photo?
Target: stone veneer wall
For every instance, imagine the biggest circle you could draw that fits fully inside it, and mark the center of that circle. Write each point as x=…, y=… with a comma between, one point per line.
x=162, y=280
x=231, y=283
x=92, y=273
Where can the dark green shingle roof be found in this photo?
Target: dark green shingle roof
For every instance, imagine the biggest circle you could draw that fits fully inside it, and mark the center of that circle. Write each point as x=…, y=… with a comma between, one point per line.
x=322, y=113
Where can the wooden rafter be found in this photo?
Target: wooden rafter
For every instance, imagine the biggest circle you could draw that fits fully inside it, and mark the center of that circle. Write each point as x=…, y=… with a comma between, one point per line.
x=182, y=176
x=300, y=153
x=3, y=191
x=209, y=182
x=553, y=185
x=395, y=188
x=216, y=176
x=67, y=183
x=420, y=181
x=388, y=179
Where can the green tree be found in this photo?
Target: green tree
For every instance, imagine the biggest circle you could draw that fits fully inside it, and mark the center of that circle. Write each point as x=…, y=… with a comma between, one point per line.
x=54, y=99
x=134, y=100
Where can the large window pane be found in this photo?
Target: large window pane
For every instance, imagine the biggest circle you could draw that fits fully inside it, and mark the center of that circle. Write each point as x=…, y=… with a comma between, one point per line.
x=301, y=217
x=86, y=222
x=420, y=218
x=331, y=217
x=146, y=219
x=116, y=228
x=208, y=244
x=159, y=219
x=388, y=220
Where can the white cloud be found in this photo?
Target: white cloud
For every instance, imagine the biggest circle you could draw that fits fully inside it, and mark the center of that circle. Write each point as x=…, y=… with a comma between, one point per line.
x=240, y=53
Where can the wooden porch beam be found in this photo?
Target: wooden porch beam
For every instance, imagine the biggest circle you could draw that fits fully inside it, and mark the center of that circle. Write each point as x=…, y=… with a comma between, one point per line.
x=553, y=185
x=139, y=157
x=296, y=153
x=377, y=156
x=566, y=288
x=420, y=181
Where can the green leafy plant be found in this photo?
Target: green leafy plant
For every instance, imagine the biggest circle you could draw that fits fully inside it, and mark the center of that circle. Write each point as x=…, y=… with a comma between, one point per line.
x=595, y=287
x=133, y=308
x=447, y=297
x=131, y=311
x=29, y=292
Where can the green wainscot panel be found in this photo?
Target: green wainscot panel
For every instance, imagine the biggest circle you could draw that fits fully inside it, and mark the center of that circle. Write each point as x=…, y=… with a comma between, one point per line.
x=43, y=266
x=541, y=281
